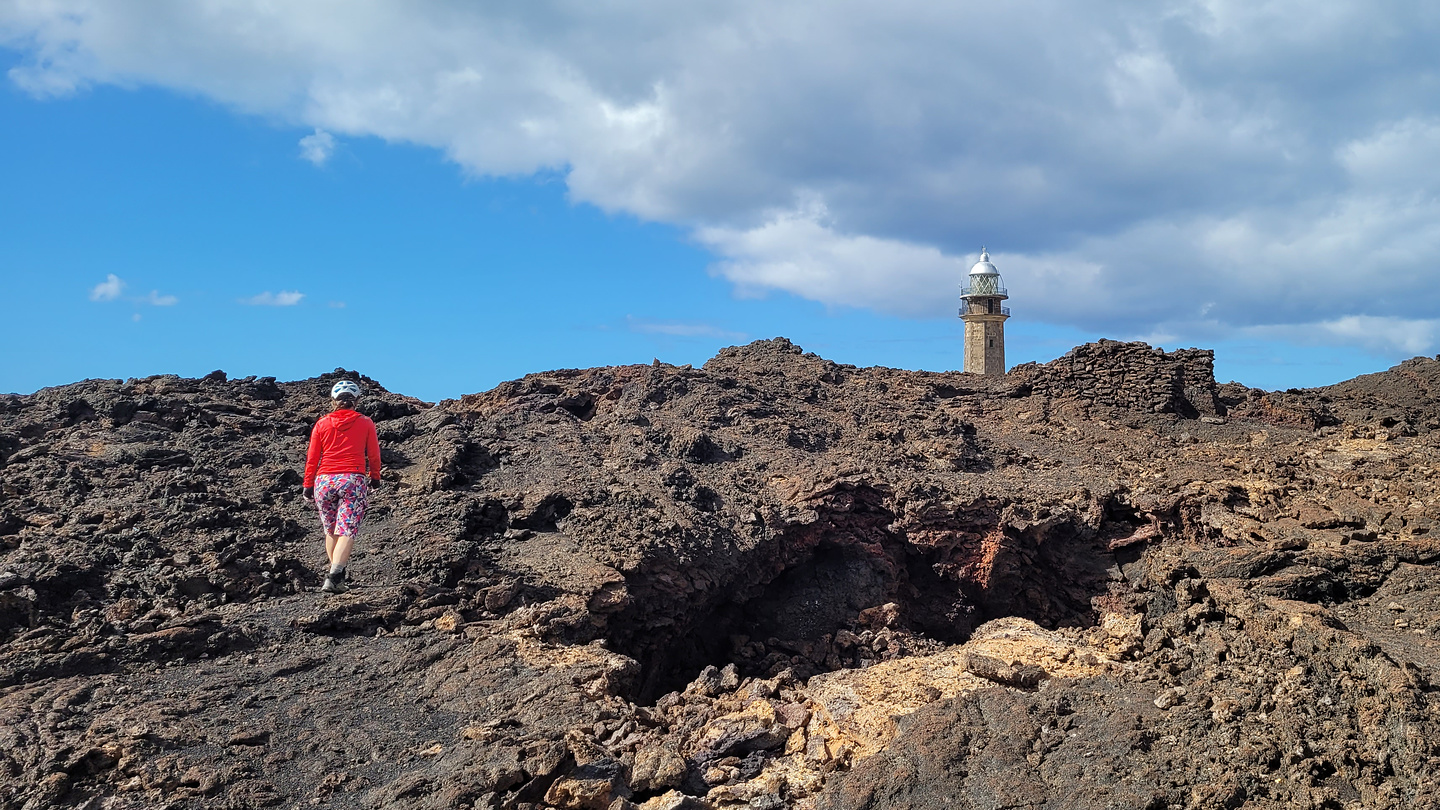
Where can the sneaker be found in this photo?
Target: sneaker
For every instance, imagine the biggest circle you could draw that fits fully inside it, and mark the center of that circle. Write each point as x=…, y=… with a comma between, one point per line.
x=331, y=586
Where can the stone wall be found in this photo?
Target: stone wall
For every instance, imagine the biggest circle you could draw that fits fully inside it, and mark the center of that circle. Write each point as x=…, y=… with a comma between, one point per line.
x=1129, y=375
x=1198, y=371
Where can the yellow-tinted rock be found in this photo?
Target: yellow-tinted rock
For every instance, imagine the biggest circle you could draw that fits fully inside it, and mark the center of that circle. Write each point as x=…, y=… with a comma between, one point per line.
x=656, y=767
x=448, y=622
x=580, y=794
x=857, y=708
x=753, y=728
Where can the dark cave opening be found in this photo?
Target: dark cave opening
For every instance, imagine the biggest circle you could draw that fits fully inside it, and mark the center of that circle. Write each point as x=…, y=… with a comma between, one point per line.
x=846, y=604
x=807, y=619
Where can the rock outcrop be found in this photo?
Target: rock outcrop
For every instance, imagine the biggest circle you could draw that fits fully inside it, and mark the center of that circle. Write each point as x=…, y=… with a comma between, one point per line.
x=774, y=581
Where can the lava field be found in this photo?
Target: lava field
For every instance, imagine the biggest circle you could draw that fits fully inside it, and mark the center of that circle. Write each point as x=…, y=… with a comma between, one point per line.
x=771, y=582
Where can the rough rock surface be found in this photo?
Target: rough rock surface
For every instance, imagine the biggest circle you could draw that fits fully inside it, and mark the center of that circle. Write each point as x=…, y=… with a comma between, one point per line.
x=772, y=582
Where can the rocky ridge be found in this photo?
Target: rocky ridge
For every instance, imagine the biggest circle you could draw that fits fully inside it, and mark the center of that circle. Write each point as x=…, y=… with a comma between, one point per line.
x=774, y=581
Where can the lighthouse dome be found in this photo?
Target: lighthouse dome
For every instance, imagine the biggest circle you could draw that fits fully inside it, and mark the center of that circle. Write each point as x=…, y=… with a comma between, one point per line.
x=984, y=267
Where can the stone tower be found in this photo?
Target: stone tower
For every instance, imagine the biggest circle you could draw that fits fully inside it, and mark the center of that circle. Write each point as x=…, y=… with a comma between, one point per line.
x=984, y=318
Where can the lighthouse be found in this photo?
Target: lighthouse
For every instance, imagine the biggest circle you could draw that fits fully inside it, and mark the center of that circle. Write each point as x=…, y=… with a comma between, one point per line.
x=984, y=316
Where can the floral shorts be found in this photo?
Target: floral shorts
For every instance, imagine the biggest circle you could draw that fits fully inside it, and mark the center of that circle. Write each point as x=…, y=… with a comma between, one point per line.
x=341, y=500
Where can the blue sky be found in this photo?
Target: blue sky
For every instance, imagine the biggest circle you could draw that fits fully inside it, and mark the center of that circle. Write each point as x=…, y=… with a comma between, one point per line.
x=268, y=215
x=449, y=284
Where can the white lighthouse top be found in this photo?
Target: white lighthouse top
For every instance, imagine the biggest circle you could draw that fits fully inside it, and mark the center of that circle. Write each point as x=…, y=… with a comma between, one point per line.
x=984, y=267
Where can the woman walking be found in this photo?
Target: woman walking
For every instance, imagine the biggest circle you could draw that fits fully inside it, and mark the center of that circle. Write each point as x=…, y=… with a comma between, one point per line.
x=344, y=453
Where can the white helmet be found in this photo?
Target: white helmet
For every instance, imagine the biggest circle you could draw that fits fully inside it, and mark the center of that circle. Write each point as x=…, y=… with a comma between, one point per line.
x=345, y=387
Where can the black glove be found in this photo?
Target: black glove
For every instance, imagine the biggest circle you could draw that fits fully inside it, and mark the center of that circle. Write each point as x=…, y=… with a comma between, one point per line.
x=308, y=493
x=374, y=483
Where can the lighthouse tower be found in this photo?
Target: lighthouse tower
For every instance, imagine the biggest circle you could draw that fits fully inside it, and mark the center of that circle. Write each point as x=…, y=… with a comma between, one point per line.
x=984, y=318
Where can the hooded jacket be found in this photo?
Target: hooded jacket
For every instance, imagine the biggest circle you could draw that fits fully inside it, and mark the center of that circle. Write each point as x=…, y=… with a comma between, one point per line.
x=341, y=442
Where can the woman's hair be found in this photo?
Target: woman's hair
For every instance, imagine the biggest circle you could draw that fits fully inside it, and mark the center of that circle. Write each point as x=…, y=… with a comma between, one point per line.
x=343, y=401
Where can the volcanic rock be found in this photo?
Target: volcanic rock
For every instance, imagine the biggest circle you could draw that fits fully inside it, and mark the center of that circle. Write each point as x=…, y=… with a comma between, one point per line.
x=775, y=581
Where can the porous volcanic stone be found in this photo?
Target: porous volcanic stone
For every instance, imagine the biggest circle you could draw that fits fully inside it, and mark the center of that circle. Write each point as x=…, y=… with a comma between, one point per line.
x=774, y=581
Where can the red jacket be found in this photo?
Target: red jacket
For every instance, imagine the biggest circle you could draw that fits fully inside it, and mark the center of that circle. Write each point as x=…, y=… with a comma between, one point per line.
x=340, y=443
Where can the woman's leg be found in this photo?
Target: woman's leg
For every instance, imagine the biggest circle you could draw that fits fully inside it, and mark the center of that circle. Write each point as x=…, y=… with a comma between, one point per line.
x=329, y=499
x=327, y=503
x=351, y=511
x=340, y=555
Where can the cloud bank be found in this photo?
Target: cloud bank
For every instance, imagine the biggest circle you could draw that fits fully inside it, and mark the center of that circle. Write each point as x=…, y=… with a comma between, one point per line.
x=1190, y=168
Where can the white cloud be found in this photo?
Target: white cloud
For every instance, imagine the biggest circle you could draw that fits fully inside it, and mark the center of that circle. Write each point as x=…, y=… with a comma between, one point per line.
x=284, y=298
x=113, y=286
x=317, y=147
x=682, y=329
x=1190, y=168
x=1383, y=336
x=107, y=290
x=799, y=252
